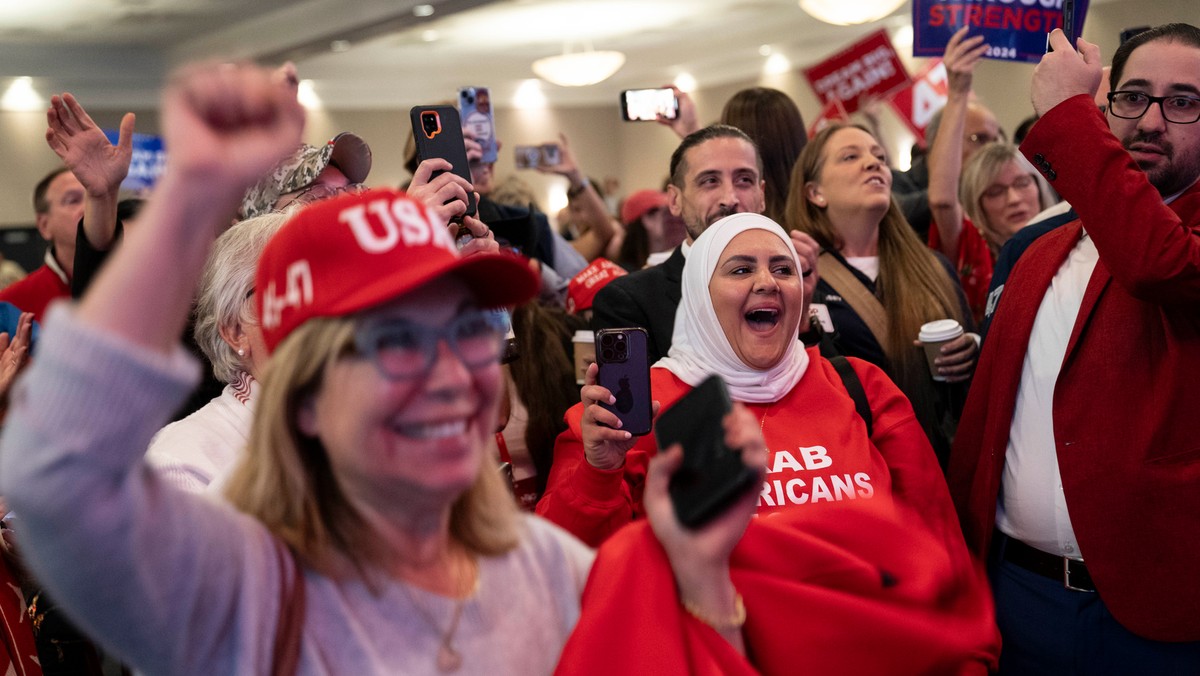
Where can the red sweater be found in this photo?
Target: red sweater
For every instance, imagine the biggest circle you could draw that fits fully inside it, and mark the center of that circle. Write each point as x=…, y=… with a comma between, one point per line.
x=852, y=591
x=975, y=264
x=35, y=292
x=820, y=457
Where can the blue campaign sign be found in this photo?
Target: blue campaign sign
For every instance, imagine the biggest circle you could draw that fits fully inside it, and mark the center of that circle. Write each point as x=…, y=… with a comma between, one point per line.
x=1015, y=30
x=147, y=164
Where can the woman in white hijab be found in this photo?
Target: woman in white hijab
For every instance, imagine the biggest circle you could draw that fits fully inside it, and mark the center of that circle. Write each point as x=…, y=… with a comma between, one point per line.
x=739, y=316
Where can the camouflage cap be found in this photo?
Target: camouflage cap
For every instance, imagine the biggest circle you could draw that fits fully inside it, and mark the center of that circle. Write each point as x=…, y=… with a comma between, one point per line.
x=346, y=151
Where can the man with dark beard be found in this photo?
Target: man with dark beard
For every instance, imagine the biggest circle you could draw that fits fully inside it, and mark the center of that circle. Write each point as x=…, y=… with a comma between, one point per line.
x=715, y=172
x=1076, y=469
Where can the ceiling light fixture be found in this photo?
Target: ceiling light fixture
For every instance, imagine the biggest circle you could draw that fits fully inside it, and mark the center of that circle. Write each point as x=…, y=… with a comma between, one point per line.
x=777, y=64
x=21, y=95
x=685, y=82
x=306, y=94
x=339, y=46
x=423, y=10
x=579, y=69
x=842, y=13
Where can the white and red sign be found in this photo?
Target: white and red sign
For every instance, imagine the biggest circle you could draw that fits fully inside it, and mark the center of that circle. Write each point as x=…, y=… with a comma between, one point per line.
x=870, y=68
x=832, y=112
x=917, y=103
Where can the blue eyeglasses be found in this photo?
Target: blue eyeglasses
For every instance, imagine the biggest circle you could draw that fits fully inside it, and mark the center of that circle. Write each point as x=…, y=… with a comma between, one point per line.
x=402, y=349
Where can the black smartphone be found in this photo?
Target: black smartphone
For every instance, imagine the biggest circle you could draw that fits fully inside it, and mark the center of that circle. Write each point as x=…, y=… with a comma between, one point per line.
x=438, y=133
x=1068, y=24
x=625, y=370
x=644, y=105
x=475, y=105
x=713, y=475
x=1068, y=12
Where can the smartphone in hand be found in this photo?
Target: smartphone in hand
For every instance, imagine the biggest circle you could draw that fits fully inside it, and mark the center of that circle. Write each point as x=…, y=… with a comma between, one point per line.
x=475, y=107
x=438, y=133
x=622, y=356
x=645, y=105
x=713, y=475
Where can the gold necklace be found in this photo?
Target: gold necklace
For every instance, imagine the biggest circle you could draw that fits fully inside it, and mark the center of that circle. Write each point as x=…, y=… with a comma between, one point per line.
x=448, y=657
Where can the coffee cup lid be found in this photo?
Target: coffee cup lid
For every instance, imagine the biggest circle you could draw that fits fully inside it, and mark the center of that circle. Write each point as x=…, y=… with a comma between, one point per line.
x=942, y=329
x=584, y=337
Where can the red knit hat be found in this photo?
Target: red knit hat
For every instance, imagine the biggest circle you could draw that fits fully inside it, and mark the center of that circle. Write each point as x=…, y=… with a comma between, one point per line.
x=637, y=204
x=344, y=255
x=584, y=286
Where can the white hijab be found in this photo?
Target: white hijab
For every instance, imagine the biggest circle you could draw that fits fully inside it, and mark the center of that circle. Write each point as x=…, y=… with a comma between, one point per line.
x=699, y=347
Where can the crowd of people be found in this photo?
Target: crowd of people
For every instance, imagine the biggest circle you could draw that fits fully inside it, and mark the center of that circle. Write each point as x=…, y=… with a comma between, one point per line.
x=282, y=420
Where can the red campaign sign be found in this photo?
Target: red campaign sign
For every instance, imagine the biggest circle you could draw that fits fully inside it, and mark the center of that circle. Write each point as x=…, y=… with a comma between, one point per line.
x=868, y=68
x=832, y=112
x=917, y=103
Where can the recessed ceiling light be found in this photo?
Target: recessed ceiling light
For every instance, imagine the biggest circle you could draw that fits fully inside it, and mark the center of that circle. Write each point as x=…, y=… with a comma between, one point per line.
x=764, y=50
x=21, y=95
x=307, y=95
x=685, y=82
x=777, y=64
x=339, y=46
x=429, y=35
x=423, y=10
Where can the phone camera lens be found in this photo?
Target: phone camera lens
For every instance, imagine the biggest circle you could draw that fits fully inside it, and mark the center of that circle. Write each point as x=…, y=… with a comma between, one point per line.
x=608, y=354
x=607, y=340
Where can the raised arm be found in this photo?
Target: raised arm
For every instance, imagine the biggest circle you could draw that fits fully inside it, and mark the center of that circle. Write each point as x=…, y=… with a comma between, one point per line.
x=98, y=164
x=945, y=157
x=226, y=126
x=601, y=226
x=700, y=558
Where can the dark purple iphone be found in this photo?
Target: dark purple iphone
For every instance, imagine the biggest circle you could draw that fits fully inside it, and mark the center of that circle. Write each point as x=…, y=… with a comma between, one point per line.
x=625, y=371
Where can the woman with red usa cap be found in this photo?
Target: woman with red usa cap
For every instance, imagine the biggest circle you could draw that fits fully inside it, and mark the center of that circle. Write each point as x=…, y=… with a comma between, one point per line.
x=365, y=531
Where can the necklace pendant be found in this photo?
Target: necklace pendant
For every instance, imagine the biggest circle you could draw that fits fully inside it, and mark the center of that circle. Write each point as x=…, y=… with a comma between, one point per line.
x=448, y=659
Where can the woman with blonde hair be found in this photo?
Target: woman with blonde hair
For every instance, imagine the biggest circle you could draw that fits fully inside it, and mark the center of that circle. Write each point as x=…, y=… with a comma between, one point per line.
x=368, y=533
x=878, y=283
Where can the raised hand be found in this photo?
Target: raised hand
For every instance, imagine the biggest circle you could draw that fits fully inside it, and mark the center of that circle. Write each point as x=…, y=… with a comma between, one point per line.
x=14, y=353
x=74, y=137
x=604, y=442
x=567, y=165
x=685, y=121
x=229, y=124
x=1064, y=72
x=700, y=558
x=444, y=196
x=482, y=239
x=962, y=55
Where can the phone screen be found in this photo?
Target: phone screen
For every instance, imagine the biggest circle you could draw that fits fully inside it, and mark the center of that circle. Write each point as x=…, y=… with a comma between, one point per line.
x=475, y=106
x=644, y=105
x=531, y=157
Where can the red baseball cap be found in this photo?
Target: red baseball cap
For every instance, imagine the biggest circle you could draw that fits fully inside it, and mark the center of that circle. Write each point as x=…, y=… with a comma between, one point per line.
x=583, y=288
x=637, y=204
x=344, y=255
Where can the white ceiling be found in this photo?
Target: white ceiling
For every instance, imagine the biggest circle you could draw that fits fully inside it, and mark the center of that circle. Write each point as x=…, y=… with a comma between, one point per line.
x=115, y=53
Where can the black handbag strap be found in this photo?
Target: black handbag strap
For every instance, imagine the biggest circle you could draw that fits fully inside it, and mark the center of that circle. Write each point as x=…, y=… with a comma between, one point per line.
x=855, y=389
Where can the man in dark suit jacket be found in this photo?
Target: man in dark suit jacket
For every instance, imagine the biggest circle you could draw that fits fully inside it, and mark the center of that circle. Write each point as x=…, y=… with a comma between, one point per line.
x=715, y=172
x=1076, y=469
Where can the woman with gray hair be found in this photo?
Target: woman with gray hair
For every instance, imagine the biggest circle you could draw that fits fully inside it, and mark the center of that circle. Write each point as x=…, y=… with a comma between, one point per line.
x=191, y=452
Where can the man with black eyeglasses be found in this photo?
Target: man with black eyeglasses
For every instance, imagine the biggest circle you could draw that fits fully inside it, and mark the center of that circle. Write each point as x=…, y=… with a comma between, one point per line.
x=1076, y=469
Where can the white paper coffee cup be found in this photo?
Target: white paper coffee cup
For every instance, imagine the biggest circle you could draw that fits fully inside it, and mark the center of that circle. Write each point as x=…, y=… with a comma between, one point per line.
x=933, y=336
x=584, y=343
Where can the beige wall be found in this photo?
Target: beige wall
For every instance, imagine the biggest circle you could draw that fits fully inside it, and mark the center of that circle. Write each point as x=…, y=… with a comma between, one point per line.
x=636, y=153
